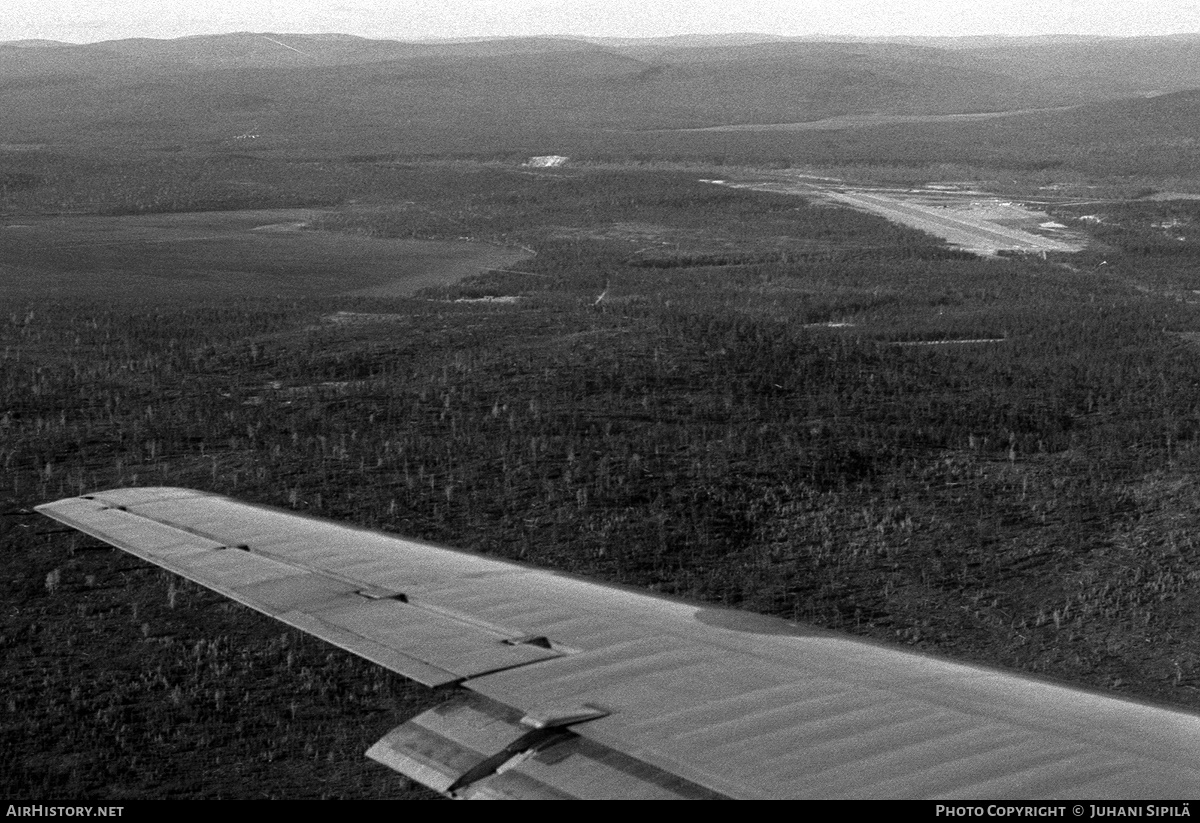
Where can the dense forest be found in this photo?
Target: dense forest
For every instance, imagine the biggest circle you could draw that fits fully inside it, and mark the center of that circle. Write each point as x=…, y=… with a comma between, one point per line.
x=733, y=396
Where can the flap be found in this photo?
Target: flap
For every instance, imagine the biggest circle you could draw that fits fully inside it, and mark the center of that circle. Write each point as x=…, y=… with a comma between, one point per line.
x=475, y=748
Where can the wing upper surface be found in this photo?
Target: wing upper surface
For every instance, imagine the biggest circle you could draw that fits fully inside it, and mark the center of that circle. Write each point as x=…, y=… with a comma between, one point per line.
x=595, y=690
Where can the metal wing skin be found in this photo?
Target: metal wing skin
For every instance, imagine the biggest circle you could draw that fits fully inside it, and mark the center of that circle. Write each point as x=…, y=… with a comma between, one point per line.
x=576, y=689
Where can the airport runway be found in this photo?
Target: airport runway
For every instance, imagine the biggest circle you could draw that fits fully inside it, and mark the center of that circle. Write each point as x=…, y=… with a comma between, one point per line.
x=976, y=234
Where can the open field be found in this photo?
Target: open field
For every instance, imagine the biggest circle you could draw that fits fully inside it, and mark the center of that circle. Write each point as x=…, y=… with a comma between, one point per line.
x=734, y=421
x=215, y=255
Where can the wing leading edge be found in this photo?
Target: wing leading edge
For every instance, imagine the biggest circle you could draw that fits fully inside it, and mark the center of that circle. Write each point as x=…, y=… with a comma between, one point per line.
x=578, y=689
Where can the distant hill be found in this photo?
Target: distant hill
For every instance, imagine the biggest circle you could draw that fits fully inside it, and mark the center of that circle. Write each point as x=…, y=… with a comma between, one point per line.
x=34, y=44
x=693, y=40
x=1144, y=136
x=265, y=50
x=1150, y=136
x=344, y=93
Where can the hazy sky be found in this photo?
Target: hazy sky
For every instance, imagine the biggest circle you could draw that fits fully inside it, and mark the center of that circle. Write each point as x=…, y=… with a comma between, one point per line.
x=91, y=20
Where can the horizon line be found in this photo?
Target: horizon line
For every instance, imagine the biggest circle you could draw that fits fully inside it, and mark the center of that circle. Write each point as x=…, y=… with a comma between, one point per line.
x=837, y=38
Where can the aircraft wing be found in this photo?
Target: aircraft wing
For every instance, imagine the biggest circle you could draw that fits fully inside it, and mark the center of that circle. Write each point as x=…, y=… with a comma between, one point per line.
x=573, y=688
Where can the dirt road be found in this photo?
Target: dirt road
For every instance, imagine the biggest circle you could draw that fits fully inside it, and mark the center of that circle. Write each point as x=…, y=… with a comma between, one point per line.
x=852, y=121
